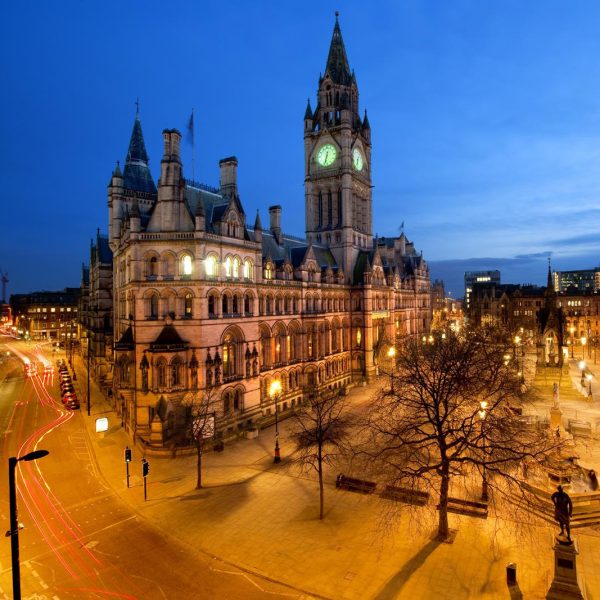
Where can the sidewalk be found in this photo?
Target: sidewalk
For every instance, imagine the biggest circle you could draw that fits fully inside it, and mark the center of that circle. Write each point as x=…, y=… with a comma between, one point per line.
x=264, y=519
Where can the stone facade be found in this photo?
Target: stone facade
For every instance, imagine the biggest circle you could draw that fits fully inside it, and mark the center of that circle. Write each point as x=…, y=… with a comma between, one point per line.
x=205, y=301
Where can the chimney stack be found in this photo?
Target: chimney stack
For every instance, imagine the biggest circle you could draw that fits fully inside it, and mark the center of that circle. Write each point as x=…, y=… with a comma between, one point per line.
x=228, y=168
x=275, y=221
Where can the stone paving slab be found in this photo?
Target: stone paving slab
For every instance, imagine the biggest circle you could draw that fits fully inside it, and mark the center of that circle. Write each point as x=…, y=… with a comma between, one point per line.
x=263, y=518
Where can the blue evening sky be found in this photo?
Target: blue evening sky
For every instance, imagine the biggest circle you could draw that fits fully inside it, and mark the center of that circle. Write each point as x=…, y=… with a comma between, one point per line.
x=485, y=120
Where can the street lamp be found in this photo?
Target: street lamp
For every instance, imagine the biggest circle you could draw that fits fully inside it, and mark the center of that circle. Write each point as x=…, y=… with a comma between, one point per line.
x=572, y=332
x=392, y=354
x=13, y=532
x=274, y=394
x=582, y=367
x=483, y=405
x=583, y=343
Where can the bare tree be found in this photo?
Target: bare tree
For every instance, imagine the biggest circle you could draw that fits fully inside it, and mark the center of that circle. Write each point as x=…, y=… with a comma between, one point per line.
x=319, y=433
x=200, y=423
x=449, y=414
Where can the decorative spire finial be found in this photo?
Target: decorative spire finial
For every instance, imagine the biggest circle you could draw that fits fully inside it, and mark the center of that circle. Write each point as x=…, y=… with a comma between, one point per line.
x=137, y=107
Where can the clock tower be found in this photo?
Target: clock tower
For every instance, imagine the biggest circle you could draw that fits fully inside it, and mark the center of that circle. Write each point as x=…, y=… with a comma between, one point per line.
x=337, y=157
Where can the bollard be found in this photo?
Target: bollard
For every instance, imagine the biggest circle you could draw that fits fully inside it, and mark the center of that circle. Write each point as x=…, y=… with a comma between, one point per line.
x=511, y=573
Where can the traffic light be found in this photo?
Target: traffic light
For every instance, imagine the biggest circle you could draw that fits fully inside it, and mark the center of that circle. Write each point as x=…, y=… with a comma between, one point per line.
x=145, y=468
x=127, y=454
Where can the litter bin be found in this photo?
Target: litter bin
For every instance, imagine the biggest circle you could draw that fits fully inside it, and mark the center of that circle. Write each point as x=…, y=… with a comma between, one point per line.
x=511, y=573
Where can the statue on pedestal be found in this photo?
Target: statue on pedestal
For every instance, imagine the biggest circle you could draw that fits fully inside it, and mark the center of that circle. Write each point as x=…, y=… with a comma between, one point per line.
x=563, y=509
x=555, y=395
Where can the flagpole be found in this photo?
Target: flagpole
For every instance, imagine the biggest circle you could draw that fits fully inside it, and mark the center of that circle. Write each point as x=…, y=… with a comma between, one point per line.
x=193, y=149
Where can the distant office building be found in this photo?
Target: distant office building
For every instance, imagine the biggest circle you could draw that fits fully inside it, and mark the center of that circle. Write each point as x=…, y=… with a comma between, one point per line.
x=584, y=280
x=47, y=315
x=478, y=277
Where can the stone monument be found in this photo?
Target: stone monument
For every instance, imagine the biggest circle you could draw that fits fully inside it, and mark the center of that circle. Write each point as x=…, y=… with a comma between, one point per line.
x=567, y=583
x=555, y=412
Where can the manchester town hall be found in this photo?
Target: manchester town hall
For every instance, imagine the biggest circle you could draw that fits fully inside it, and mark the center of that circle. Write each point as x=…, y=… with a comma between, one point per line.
x=209, y=300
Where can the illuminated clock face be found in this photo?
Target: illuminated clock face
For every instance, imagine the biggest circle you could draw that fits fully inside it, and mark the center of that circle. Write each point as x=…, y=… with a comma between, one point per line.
x=357, y=159
x=326, y=155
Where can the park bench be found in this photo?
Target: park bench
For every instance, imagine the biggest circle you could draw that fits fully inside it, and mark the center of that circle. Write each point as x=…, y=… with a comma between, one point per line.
x=582, y=428
x=407, y=495
x=355, y=485
x=469, y=508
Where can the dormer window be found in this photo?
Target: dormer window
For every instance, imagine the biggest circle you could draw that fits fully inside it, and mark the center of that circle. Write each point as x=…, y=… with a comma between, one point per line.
x=268, y=271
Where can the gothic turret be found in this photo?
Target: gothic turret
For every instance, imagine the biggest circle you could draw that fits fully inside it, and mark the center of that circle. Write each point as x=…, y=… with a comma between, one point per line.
x=136, y=174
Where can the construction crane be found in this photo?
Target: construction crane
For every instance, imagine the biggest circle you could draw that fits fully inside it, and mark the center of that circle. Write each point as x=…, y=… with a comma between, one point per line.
x=4, y=279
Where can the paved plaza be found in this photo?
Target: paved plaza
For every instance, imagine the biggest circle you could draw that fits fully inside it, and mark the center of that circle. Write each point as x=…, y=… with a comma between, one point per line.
x=263, y=518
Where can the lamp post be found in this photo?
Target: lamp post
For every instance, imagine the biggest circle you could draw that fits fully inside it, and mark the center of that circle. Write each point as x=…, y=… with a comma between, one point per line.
x=88, y=373
x=572, y=332
x=583, y=343
x=13, y=532
x=392, y=355
x=589, y=378
x=582, y=368
x=274, y=394
x=483, y=405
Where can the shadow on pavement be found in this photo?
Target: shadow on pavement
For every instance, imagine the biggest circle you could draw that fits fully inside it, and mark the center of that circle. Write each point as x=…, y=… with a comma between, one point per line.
x=515, y=592
x=396, y=583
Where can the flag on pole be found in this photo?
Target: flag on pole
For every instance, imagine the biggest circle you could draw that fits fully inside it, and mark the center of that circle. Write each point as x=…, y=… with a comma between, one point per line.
x=190, y=128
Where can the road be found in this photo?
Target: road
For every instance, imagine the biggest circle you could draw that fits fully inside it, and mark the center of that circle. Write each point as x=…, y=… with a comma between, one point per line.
x=79, y=539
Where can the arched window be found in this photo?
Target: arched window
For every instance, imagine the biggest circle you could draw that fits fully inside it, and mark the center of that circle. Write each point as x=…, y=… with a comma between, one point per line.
x=161, y=374
x=176, y=373
x=235, y=309
x=187, y=307
x=212, y=309
x=230, y=362
x=186, y=265
x=153, y=267
x=153, y=306
x=228, y=266
x=236, y=267
x=248, y=304
x=268, y=271
x=225, y=305
x=247, y=269
x=168, y=266
x=210, y=266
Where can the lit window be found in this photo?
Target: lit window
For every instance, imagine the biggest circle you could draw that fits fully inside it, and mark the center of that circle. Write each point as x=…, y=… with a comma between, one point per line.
x=358, y=337
x=210, y=266
x=236, y=267
x=53, y=310
x=228, y=263
x=247, y=269
x=268, y=272
x=186, y=265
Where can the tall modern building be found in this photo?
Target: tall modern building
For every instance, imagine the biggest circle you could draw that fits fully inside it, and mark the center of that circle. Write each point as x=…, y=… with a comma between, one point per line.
x=475, y=277
x=584, y=280
x=208, y=300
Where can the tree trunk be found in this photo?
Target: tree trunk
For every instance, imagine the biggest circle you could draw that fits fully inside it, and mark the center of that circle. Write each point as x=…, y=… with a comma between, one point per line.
x=321, y=490
x=443, y=529
x=199, y=479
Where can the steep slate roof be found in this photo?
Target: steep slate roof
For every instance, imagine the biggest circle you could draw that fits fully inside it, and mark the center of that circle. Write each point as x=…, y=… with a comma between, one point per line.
x=294, y=250
x=126, y=341
x=136, y=174
x=168, y=339
x=337, y=60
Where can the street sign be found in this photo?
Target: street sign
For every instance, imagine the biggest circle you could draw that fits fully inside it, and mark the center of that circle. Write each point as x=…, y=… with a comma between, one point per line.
x=101, y=424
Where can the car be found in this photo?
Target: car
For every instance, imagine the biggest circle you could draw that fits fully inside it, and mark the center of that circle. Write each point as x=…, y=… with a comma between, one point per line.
x=65, y=378
x=72, y=405
x=67, y=390
x=69, y=397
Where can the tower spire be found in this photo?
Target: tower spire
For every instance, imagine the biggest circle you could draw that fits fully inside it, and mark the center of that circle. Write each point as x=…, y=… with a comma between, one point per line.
x=136, y=172
x=337, y=60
